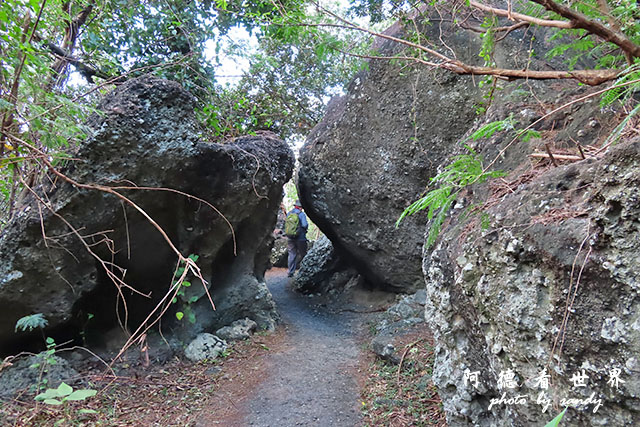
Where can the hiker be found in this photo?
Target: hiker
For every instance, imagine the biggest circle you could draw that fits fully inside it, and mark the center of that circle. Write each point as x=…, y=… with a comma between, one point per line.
x=295, y=228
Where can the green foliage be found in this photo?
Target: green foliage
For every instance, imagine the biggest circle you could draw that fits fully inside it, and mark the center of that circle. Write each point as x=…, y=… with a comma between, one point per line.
x=64, y=393
x=464, y=170
x=179, y=281
x=529, y=134
x=488, y=40
x=291, y=77
x=575, y=45
x=615, y=134
x=485, y=221
x=490, y=129
x=45, y=360
x=622, y=91
x=556, y=421
x=31, y=322
x=624, y=87
x=182, y=40
x=290, y=194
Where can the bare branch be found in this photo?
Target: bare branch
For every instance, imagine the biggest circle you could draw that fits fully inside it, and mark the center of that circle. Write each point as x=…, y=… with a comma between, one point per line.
x=69, y=43
x=613, y=23
x=514, y=16
x=550, y=113
x=581, y=21
x=354, y=26
x=588, y=77
x=87, y=71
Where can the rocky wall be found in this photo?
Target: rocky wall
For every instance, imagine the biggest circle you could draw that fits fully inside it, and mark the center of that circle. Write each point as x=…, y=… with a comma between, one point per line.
x=541, y=311
x=217, y=201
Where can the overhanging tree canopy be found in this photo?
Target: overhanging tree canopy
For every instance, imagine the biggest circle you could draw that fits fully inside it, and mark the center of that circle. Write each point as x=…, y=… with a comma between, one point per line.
x=306, y=52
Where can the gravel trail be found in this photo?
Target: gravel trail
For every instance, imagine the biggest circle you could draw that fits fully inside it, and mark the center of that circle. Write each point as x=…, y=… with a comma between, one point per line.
x=313, y=378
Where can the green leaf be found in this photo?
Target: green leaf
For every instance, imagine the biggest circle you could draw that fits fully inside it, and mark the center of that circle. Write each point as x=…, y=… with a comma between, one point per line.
x=186, y=284
x=179, y=315
x=64, y=389
x=6, y=104
x=624, y=87
x=87, y=411
x=488, y=130
x=191, y=317
x=50, y=393
x=485, y=221
x=615, y=134
x=556, y=421
x=52, y=402
x=530, y=134
x=81, y=394
x=31, y=322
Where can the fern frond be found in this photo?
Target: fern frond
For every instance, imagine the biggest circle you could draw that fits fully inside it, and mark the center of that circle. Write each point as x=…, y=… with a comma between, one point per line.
x=615, y=134
x=436, y=224
x=464, y=170
x=31, y=322
x=488, y=130
x=618, y=91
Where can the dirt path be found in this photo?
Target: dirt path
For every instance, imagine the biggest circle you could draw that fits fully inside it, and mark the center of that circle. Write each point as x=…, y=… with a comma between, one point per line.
x=311, y=380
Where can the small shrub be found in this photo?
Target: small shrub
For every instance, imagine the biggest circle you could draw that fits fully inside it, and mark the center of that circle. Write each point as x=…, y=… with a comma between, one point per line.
x=64, y=392
x=31, y=322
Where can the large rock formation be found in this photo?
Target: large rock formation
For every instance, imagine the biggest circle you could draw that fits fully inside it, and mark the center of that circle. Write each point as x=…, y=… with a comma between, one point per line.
x=215, y=201
x=552, y=285
x=377, y=147
x=372, y=156
x=496, y=299
x=323, y=270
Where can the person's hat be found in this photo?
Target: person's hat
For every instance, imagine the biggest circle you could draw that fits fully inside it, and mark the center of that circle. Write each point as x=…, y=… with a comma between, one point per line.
x=297, y=203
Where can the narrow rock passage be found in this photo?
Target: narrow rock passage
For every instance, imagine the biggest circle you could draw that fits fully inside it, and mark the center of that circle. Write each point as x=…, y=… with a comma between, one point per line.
x=312, y=381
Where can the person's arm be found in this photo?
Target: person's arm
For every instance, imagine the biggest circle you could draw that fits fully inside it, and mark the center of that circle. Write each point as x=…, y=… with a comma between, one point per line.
x=303, y=221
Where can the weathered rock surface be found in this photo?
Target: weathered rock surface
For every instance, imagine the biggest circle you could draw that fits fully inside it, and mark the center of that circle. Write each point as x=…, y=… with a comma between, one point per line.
x=377, y=147
x=373, y=154
x=403, y=317
x=496, y=301
x=323, y=270
x=217, y=201
x=238, y=330
x=279, y=253
x=205, y=347
x=367, y=161
x=23, y=375
x=554, y=285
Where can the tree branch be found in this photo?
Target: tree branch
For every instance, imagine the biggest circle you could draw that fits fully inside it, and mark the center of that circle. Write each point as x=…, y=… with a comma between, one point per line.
x=589, y=77
x=514, y=16
x=87, y=71
x=69, y=43
x=581, y=21
x=613, y=23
